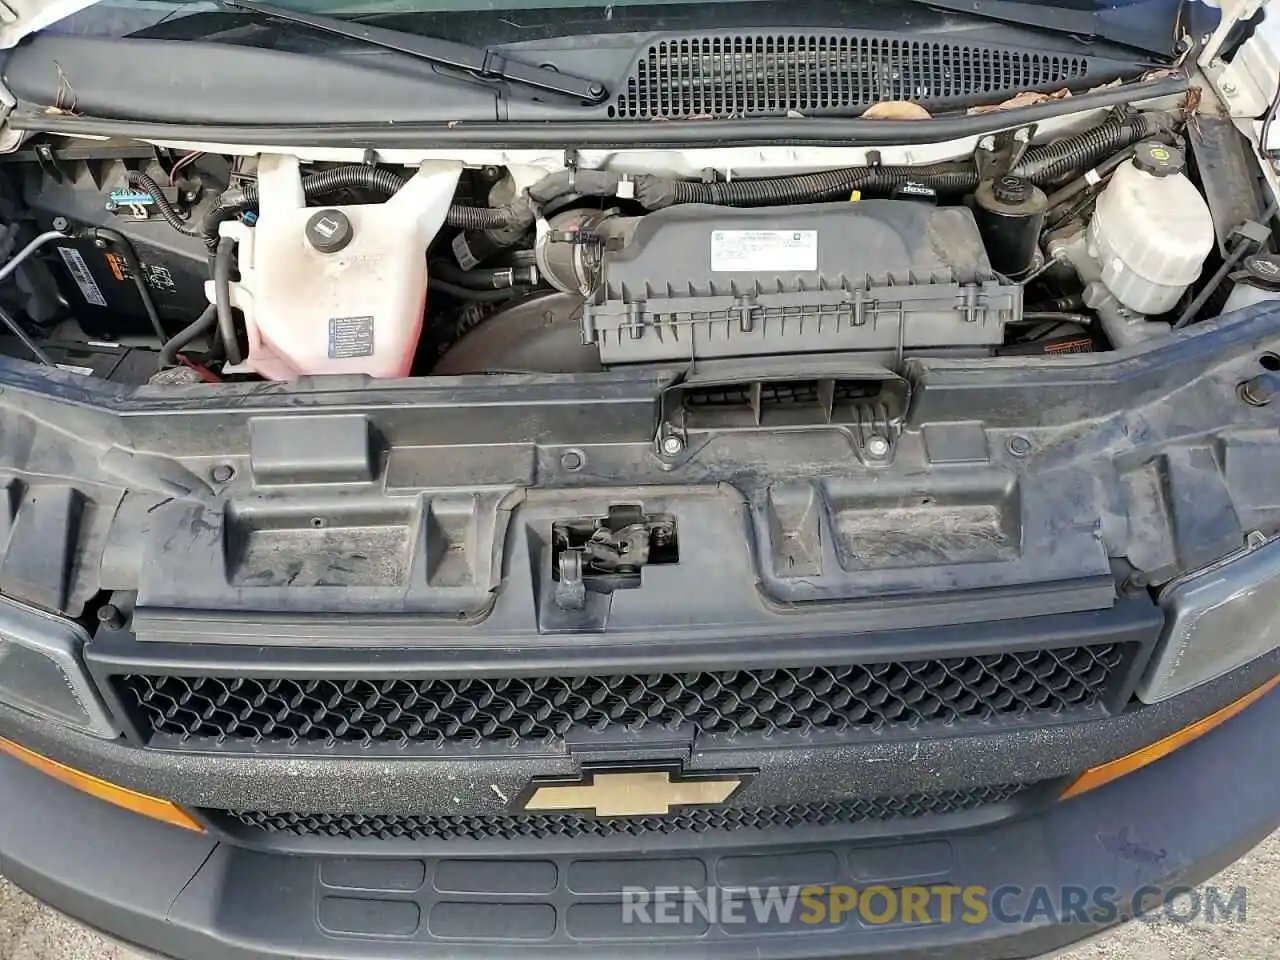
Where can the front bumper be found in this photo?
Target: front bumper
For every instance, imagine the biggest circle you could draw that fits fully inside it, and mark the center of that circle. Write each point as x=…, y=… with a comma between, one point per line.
x=1057, y=478
x=190, y=896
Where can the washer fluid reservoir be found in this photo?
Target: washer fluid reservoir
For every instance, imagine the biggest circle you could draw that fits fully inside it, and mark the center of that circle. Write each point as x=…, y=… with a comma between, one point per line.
x=1151, y=230
x=336, y=289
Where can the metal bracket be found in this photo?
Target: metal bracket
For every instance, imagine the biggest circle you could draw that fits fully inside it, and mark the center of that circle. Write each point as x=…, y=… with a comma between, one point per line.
x=603, y=554
x=998, y=153
x=1233, y=12
x=571, y=589
x=1247, y=82
x=50, y=164
x=10, y=139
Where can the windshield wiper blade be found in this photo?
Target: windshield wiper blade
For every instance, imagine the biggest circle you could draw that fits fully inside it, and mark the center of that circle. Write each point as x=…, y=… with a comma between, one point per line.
x=1047, y=16
x=481, y=61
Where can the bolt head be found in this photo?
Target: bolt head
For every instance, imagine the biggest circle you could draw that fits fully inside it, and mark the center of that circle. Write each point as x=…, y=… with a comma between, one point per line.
x=222, y=473
x=572, y=460
x=1255, y=392
x=1019, y=446
x=110, y=616
x=1229, y=89
x=672, y=445
x=877, y=447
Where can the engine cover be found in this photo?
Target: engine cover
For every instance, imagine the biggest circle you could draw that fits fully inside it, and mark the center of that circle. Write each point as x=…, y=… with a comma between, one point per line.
x=894, y=276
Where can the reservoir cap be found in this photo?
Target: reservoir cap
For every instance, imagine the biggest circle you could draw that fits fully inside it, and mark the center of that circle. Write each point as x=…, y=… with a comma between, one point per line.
x=1158, y=160
x=1011, y=189
x=1263, y=271
x=328, y=231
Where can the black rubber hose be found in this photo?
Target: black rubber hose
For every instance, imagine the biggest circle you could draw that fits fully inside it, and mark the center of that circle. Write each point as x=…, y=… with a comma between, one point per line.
x=362, y=177
x=1071, y=303
x=202, y=324
x=460, y=216
x=359, y=177
x=1054, y=316
x=1081, y=183
x=352, y=177
x=465, y=293
x=481, y=278
x=212, y=219
x=16, y=329
x=656, y=192
x=1051, y=162
x=944, y=178
x=222, y=298
x=1269, y=118
x=167, y=213
x=480, y=218
x=582, y=183
x=130, y=257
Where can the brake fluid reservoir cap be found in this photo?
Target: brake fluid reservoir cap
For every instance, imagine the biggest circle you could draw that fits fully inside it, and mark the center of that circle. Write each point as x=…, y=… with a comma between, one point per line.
x=1158, y=160
x=328, y=231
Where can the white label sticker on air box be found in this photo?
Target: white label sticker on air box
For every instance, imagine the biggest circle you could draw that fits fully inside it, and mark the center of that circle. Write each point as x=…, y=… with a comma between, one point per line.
x=79, y=271
x=765, y=251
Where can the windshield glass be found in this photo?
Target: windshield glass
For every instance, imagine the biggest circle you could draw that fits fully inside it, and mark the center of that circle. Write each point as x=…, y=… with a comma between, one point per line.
x=125, y=17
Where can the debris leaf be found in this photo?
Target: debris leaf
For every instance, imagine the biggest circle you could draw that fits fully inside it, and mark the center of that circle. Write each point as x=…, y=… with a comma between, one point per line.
x=1027, y=98
x=896, y=110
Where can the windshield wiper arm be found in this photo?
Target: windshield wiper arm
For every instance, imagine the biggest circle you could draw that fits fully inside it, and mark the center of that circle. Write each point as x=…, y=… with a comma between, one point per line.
x=1046, y=16
x=481, y=61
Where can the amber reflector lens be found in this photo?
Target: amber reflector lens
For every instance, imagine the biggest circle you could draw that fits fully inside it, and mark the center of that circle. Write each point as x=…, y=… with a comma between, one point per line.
x=1097, y=776
x=148, y=806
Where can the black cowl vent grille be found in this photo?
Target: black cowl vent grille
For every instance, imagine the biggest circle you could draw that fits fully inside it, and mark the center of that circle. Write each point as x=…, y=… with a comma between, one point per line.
x=715, y=77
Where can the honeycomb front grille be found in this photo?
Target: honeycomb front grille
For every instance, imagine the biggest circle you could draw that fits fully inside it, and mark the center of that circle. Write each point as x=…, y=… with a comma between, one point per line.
x=715, y=77
x=358, y=826
x=321, y=713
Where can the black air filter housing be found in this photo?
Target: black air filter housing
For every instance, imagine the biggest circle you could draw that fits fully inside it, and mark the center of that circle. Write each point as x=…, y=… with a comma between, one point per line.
x=701, y=282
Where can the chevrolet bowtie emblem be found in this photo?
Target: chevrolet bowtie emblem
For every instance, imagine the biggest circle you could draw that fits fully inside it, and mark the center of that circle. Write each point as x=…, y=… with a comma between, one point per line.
x=633, y=793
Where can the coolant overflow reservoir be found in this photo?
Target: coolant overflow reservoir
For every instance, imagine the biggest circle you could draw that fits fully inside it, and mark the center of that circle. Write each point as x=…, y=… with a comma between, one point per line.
x=336, y=289
x=1151, y=230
